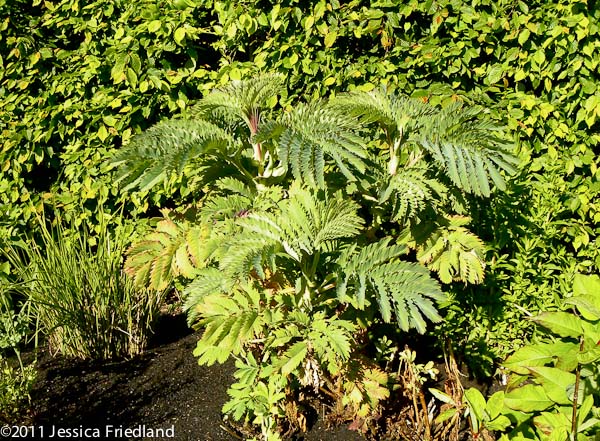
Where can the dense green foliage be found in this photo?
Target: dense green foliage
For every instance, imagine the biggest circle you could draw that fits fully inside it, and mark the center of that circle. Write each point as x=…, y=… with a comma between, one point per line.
x=552, y=392
x=77, y=82
x=290, y=256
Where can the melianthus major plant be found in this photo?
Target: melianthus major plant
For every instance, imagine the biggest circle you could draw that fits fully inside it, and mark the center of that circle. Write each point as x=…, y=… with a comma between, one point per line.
x=299, y=240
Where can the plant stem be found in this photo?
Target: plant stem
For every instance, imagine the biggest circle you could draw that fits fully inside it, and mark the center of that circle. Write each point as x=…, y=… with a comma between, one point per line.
x=394, y=159
x=315, y=264
x=576, y=393
x=243, y=170
x=425, y=414
x=18, y=354
x=393, y=165
x=253, y=122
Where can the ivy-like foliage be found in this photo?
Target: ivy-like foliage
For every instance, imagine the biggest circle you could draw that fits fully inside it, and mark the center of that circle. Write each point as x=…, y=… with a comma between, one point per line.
x=77, y=82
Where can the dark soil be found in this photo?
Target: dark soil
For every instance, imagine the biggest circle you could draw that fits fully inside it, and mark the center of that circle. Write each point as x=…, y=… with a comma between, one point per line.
x=165, y=389
x=160, y=389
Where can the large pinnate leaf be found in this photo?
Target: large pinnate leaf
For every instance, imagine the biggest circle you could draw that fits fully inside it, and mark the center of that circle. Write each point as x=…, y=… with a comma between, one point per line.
x=470, y=149
x=402, y=290
x=309, y=137
x=229, y=320
x=453, y=251
x=239, y=101
x=173, y=249
x=300, y=226
x=166, y=149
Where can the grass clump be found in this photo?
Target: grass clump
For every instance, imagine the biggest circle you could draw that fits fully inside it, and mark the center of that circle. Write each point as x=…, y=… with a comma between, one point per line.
x=83, y=301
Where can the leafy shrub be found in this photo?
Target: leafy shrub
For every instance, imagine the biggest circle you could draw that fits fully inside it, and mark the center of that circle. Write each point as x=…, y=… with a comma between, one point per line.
x=15, y=382
x=15, y=386
x=81, y=298
x=281, y=270
x=552, y=390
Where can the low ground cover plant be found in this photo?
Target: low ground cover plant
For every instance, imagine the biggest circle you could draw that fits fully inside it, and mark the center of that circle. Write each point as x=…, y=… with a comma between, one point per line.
x=17, y=376
x=16, y=383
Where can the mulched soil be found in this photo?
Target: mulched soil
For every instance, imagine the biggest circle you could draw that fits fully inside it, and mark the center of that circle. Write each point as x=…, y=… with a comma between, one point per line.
x=162, y=388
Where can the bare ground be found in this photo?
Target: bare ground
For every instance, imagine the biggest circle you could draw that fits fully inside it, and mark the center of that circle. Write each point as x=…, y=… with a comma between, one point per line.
x=165, y=388
x=160, y=389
